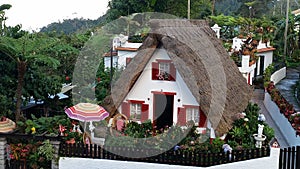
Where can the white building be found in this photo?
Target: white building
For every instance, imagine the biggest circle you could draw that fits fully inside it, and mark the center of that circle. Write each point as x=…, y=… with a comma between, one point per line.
x=249, y=69
x=168, y=83
x=122, y=53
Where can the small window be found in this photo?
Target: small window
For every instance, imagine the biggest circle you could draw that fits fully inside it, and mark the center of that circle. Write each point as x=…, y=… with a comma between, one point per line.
x=164, y=71
x=192, y=114
x=135, y=111
x=164, y=67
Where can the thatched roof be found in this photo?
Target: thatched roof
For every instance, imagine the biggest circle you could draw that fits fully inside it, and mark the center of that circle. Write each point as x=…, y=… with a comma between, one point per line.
x=203, y=63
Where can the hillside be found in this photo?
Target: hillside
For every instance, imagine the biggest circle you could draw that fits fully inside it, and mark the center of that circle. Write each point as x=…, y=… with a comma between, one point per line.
x=69, y=26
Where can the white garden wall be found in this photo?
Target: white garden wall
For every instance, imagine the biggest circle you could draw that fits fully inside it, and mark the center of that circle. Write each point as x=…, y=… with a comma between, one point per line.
x=84, y=163
x=281, y=121
x=278, y=75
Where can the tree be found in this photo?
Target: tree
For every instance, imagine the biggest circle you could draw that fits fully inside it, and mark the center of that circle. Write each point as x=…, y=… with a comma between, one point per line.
x=26, y=51
x=7, y=86
x=199, y=8
x=2, y=16
x=254, y=8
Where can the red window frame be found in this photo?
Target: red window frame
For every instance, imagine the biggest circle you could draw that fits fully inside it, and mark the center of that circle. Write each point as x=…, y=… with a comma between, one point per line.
x=181, y=116
x=155, y=70
x=144, y=112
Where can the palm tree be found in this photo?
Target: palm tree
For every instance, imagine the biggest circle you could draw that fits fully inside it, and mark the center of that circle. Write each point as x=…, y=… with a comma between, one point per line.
x=25, y=51
x=2, y=17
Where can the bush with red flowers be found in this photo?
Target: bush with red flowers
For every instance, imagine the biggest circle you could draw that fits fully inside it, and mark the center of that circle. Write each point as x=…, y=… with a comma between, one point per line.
x=285, y=107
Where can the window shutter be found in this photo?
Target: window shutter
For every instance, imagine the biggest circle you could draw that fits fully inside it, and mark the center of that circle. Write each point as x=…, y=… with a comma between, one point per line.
x=126, y=109
x=155, y=70
x=145, y=112
x=202, y=121
x=172, y=72
x=181, y=116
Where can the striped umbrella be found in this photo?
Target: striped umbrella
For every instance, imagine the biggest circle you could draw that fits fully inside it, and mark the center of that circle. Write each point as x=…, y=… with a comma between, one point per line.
x=6, y=125
x=87, y=112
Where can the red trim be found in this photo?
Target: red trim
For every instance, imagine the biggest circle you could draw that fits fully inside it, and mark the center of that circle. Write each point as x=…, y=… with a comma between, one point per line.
x=128, y=61
x=203, y=119
x=126, y=109
x=248, y=78
x=108, y=54
x=126, y=48
x=136, y=101
x=154, y=120
x=155, y=70
x=163, y=93
x=190, y=106
x=181, y=116
x=172, y=72
x=163, y=61
x=265, y=49
x=145, y=112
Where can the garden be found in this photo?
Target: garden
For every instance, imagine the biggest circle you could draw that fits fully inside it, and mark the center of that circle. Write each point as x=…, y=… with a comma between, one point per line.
x=188, y=138
x=29, y=144
x=37, y=152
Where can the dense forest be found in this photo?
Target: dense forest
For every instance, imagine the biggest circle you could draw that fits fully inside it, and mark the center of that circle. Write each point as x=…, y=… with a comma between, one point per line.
x=200, y=9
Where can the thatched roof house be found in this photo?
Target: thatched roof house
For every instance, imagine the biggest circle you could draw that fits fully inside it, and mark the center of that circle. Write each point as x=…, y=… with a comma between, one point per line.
x=201, y=62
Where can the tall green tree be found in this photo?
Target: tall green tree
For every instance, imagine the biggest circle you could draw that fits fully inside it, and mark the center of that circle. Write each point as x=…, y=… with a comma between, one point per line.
x=27, y=52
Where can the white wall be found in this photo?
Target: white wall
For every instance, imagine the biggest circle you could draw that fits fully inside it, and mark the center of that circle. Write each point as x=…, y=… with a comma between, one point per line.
x=278, y=75
x=122, y=57
x=107, y=61
x=268, y=58
x=145, y=85
x=119, y=60
x=247, y=70
x=85, y=163
x=280, y=120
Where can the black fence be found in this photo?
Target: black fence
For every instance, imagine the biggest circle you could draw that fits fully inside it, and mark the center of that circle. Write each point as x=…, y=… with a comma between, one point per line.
x=17, y=164
x=289, y=158
x=174, y=157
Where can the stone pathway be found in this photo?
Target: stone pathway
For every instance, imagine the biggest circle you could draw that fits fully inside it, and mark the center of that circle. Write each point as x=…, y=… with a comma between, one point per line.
x=258, y=97
x=286, y=85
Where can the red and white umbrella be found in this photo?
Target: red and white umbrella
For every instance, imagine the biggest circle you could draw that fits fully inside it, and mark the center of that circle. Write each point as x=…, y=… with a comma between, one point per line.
x=87, y=112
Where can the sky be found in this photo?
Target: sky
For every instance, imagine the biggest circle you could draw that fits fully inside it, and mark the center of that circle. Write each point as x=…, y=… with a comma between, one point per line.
x=35, y=14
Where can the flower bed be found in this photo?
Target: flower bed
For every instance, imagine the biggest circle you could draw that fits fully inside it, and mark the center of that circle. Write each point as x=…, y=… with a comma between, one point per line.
x=285, y=107
x=34, y=154
x=190, y=137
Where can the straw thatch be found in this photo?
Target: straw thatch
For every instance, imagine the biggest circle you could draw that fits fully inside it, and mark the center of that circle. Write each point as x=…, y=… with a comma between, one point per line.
x=203, y=63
